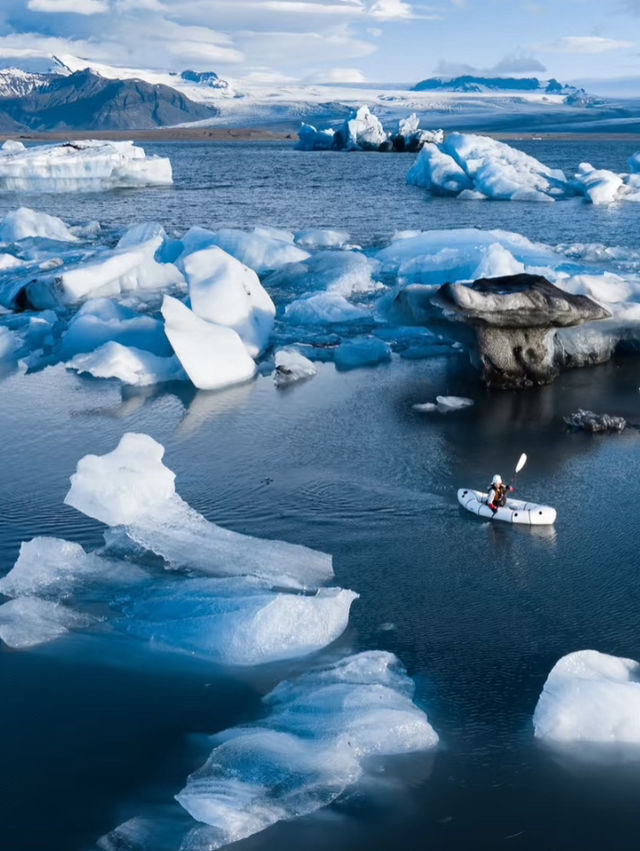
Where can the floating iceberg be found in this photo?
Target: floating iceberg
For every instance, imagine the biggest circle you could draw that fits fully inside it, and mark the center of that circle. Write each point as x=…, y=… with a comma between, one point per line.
x=364, y=351
x=339, y=271
x=131, y=487
x=262, y=250
x=444, y=404
x=132, y=366
x=291, y=366
x=24, y=223
x=363, y=131
x=213, y=356
x=464, y=161
x=324, y=308
x=310, y=748
x=315, y=238
x=83, y=166
x=56, y=585
x=224, y=291
x=590, y=697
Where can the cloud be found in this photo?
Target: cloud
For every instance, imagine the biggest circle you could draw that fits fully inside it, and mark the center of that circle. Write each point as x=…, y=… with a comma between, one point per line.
x=583, y=44
x=337, y=75
x=391, y=10
x=513, y=63
x=77, y=7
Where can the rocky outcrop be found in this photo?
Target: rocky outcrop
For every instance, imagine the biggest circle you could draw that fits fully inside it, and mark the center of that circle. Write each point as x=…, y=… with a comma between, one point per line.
x=514, y=320
x=595, y=423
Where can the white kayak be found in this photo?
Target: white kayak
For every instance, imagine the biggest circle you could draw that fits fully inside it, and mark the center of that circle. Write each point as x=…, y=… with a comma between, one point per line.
x=515, y=511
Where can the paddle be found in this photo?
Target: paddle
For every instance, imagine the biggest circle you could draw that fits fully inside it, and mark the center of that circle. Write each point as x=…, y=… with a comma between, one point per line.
x=522, y=460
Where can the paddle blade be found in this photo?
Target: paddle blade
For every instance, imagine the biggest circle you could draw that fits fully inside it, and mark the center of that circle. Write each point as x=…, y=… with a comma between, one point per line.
x=522, y=460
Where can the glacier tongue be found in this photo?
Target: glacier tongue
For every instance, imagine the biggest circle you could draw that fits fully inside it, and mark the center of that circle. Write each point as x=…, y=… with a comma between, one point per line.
x=130, y=486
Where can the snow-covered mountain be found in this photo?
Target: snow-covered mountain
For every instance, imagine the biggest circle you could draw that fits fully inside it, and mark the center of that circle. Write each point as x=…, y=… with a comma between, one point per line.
x=45, y=92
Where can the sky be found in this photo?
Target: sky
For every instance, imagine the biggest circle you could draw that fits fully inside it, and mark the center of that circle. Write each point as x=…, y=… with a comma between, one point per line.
x=336, y=40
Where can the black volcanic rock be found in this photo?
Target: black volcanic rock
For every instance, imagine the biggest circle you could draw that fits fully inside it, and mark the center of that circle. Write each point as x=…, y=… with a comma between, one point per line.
x=87, y=101
x=514, y=318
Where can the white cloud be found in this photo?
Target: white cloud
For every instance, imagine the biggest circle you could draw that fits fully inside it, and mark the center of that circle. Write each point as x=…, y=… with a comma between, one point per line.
x=391, y=10
x=78, y=7
x=337, y=75
x=512, y=63
x=583, y=44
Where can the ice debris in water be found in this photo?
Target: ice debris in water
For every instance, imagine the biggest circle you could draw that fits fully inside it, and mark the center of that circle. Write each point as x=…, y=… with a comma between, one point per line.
x=262, y=250
x=365, y=351
x=89, y=165
x=213, y=356
x=131, y=487
x=478, y=167
x=238, y=621
x=444, y=404
x=291, y=366
x=24, y=223
x=226, y=292
x=309, y=749
x=324, y=308
x=590, y=697
x=321, y=238
x=131, y=365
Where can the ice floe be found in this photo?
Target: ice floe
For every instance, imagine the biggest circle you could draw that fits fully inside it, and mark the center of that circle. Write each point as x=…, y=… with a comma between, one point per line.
x=131, y=487
x=590, y=697
x=262, y=249
x=325, y=308
x=82, y=166
x=132, y=366
x=24, y=223
x=291, y=366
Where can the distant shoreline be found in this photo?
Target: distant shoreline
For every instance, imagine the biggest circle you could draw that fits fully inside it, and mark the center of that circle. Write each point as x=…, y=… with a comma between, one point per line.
x=245, y=134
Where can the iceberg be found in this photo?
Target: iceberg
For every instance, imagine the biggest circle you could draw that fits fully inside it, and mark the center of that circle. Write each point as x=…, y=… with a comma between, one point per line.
x=312, y=139
x=311, y=747
x=82, y=166
x=213, y=356
x=599, y=186
x=464, y=161
x=364, y=351
x=339, y=271
x=590, y=697
x=131, y=487
x=24, y=223
x=323, y=309
x=261, y=250
x=132, y=366
x=315, y=238
x=291, y=366
x=226, y=292
x=56, y=584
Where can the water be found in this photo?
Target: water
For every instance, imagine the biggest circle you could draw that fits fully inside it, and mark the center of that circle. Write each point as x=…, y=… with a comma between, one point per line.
x=478, y=612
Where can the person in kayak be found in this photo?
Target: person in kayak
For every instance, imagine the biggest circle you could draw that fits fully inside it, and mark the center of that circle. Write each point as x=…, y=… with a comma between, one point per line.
x=497, y=496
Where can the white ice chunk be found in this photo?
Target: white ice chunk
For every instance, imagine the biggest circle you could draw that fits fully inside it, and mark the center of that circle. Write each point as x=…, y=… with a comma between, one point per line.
x=260, y=250
x=29, y=621
x=130, y=486
x=322, y=238
x=363, y=130
x=58, y=569
x=291, y=366
x=311, y=139
x=438, y=171
x=452, y=403
x=344, y=272
x=323, y=309
x=312, y=746
x=599, y=186
x=213, y=356
x=13, y=145
x=496, y=262
x=24, y=223
x=130, y=365
x=224, y=291
x=590, y=697
x=89, y=165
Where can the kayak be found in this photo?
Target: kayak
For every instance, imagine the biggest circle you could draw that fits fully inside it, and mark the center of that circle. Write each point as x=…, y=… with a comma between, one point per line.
x=515, y=511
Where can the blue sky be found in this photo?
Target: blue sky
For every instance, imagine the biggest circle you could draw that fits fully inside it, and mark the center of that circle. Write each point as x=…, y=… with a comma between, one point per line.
x=341, y=40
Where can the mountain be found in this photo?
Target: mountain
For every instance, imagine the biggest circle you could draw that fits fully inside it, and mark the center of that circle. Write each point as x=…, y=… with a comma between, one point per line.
x=15, y=82
x=471, y=83
x=84, y=100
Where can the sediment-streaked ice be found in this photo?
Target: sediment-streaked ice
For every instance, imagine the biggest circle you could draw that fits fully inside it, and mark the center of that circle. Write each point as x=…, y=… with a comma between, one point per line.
x=131, y=487
x=309, y=749
x=81, y=166
x=591, y=697
x=291, y=366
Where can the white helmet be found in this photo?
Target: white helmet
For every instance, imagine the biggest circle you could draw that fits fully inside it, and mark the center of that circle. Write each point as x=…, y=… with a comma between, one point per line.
x=497, y=479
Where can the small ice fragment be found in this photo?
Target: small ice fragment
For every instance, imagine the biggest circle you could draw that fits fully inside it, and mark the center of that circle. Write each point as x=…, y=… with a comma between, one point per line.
x=291, y=366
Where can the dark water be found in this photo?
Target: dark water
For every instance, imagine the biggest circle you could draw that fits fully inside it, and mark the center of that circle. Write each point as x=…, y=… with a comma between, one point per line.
x=478, y=612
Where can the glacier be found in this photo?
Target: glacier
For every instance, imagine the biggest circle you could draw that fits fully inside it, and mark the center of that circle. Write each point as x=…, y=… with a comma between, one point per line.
x=80, y=166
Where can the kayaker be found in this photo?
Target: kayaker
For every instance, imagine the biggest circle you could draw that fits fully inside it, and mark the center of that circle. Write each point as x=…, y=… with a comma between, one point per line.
x=497, y=496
